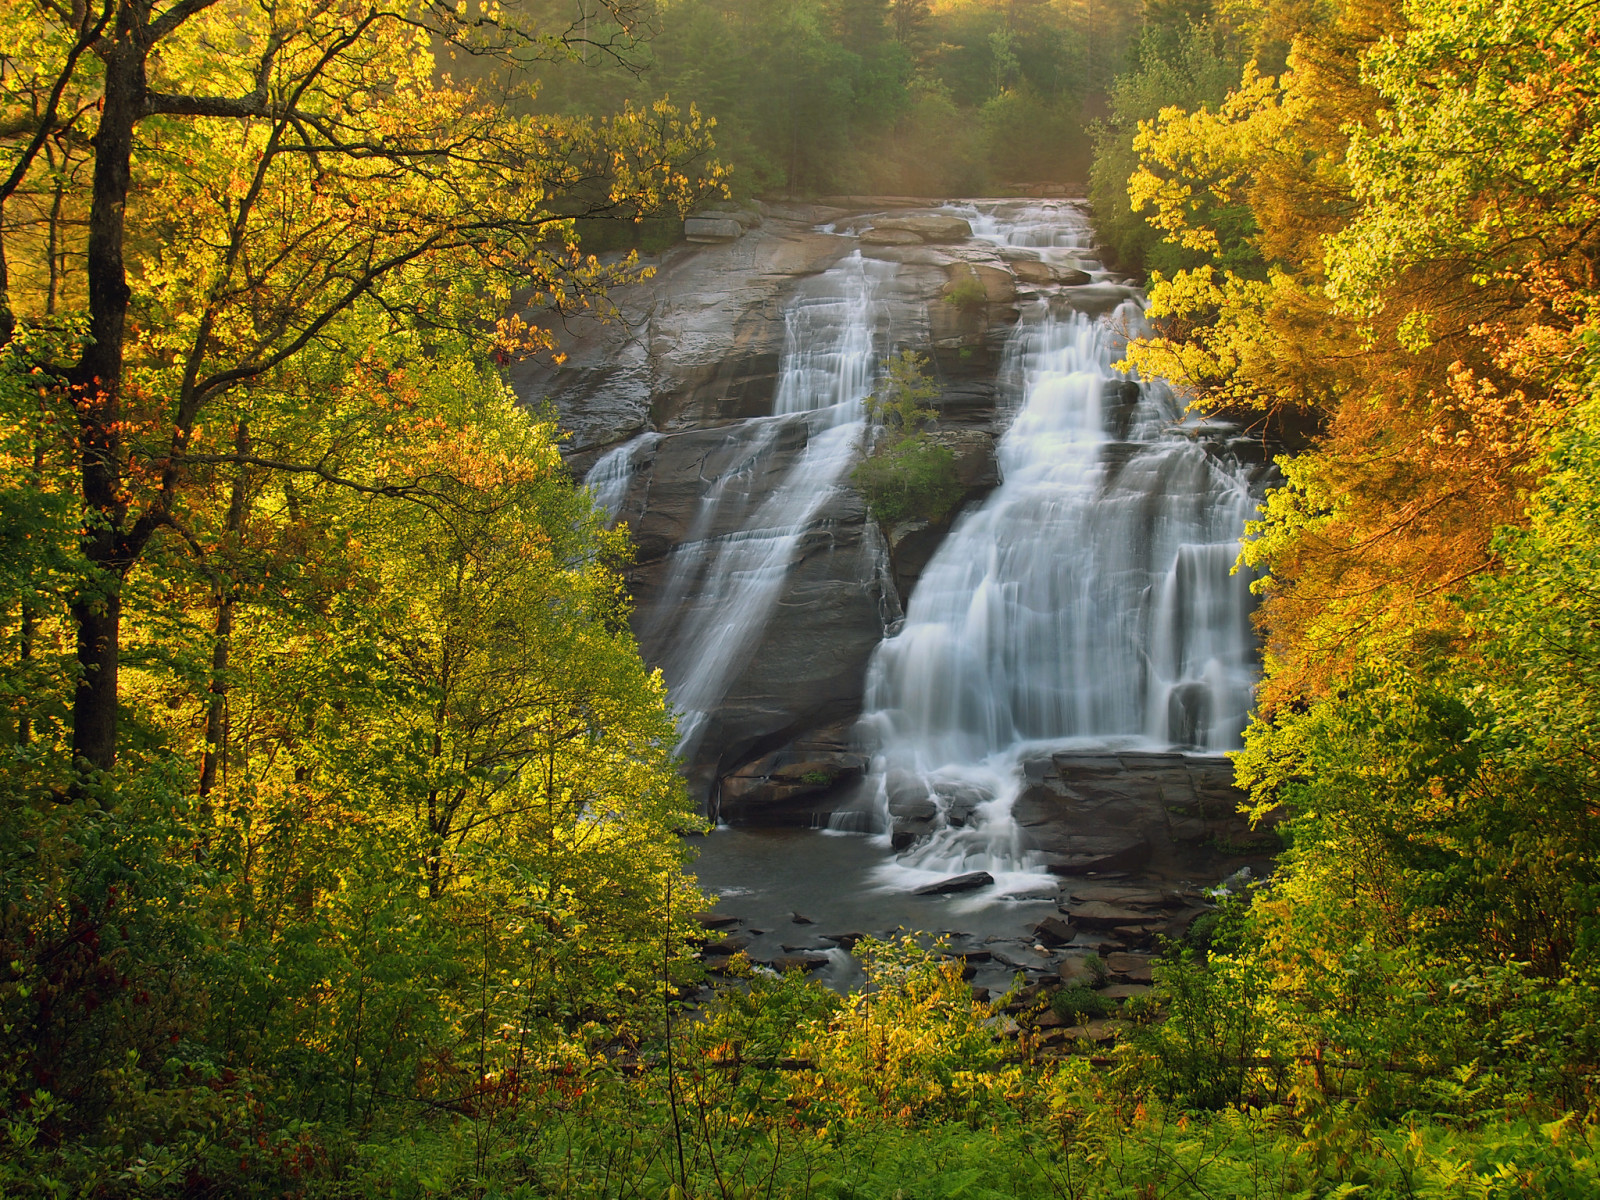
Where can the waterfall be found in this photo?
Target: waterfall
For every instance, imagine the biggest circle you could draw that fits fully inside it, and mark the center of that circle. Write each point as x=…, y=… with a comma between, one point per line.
x=1087, y=603
x=725, y=578
x=610, y=477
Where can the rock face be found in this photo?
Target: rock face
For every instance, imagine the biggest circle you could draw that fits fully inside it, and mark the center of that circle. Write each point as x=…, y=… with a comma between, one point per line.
x=1091, y=814
x=694, y=359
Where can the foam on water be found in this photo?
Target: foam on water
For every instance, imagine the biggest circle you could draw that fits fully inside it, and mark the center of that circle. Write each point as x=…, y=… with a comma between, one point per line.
x=1088, y=602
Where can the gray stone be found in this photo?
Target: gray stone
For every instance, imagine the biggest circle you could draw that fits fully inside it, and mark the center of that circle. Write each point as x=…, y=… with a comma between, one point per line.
x=1053, y=931
x=934, y=227
x=889, y=237
x=969, y=882
x=712, y=229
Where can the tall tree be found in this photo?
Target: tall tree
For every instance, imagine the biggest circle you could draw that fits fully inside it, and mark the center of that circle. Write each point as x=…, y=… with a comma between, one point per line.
x=269, y=170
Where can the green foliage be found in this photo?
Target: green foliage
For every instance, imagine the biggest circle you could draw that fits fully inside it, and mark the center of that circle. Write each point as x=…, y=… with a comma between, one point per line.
x=908, y=475
x=968, y=294
x=1078, y=1004
x=1184, y=65
x=865, y=96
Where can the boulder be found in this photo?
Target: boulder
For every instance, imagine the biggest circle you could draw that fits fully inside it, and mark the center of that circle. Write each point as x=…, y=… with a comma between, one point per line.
x=889, y=237
x=712, y=229
x=969, y=882
x=1123, y=991
x=1053, y=931
x=1074, y=973
x=746, y=218
x=1099, y=915
x=1134, y=968
x=933, y=227
x=999, y=286
x=1032, y=270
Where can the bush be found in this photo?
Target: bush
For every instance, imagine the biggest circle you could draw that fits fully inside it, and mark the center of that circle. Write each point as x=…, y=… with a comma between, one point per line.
x=917, y=478
x=1078, y=1004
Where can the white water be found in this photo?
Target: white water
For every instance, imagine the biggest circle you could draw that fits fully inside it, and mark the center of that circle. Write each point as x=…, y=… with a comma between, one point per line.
x=721, y=588
x=1087, y=603
x=610, y=477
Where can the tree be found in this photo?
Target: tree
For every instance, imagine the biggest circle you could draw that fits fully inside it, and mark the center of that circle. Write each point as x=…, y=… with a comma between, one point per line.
x=270, y=171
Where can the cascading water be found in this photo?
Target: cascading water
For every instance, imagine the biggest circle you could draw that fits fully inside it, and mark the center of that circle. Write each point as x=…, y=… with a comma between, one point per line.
x=1088, y=602
x=721, y=588
x=611, y=476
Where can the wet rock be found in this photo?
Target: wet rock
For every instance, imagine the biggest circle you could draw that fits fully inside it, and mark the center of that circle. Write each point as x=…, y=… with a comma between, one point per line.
x=999, y=286
x=969, y=882
x=889, y=237
x=801, y=919
x=934, y=227
x=727, y=946
x=845, y=941
x=1099, y=915
x=1123, y=991
x=977, y=468
x=715, y=920
x=746, y=218
x=1074, y=973
x=1125, y=896
x=712, y=229
x=1053, y=931
x=796, y=777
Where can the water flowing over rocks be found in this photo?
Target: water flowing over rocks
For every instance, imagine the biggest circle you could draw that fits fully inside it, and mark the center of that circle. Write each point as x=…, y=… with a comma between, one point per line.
x=1025, y=701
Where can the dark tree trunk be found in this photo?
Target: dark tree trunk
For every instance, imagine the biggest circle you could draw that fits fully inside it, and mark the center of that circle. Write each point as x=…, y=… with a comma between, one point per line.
x=216, y=706
x=97, y=607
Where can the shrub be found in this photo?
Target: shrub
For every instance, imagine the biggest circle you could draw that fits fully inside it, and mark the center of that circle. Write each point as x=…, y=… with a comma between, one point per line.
x=917, y=478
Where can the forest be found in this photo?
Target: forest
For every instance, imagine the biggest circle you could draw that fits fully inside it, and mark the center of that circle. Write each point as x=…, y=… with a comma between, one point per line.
x=345, y=849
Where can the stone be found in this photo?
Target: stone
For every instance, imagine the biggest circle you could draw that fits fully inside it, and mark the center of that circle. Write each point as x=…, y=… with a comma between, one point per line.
x=1070, y=277
x=712, y=229
x=889, y=237
x=1053, y=931
x=1074, y=973
x=746, y=218
x=1123, y=991
x=845, y=941
x=715, y=920
x=727, y=946
x=1099, y=915
x=801, y=919
x=1125, y=896
x=934, y=227
x=976, y=956
x=969, y=882
x=999, y=286
x=1135, y=968
x=977, y=467
x=1033, y=271
x=1094, y=1031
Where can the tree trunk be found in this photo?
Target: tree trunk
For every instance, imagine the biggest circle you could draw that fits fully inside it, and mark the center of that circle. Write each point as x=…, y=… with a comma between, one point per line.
x=216, y=706
x=97, y=606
